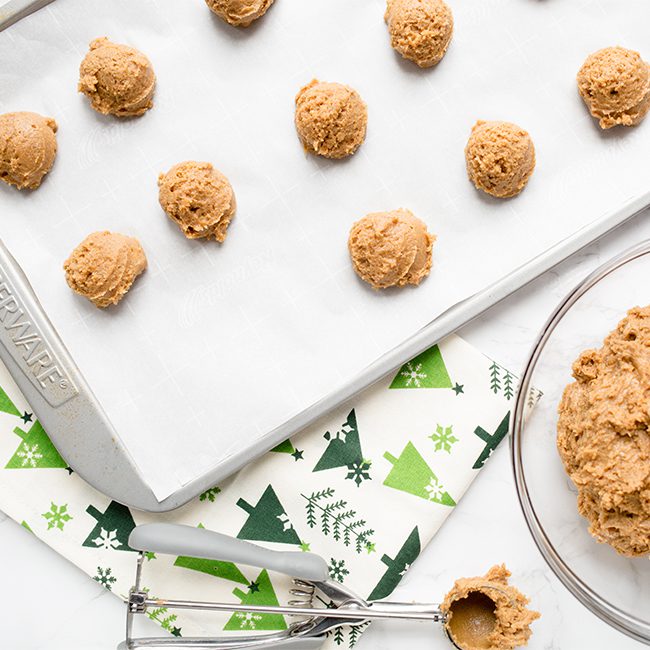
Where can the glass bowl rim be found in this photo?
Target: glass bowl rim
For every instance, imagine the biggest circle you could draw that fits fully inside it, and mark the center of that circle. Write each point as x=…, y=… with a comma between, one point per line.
x=620, y=620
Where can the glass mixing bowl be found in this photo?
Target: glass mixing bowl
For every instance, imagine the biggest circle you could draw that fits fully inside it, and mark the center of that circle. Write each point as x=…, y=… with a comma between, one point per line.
x=615, y=588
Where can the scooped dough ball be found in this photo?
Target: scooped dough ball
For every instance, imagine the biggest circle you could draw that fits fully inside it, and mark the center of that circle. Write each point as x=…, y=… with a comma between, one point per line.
x=118, y=79
x=103, y=267
x=420, y=30
x=27, y=148
x=240, y=13
x=331, y=119
x=500, y=158
x=615, y=85
x=487, y=612
x=391, y=249
x=198, y=198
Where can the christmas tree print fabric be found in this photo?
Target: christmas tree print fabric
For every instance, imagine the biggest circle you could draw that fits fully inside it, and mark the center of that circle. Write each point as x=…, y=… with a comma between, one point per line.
x=366, y=488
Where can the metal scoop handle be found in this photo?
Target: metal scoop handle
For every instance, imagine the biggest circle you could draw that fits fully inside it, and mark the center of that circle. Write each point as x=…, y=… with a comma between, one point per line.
x=175, y=539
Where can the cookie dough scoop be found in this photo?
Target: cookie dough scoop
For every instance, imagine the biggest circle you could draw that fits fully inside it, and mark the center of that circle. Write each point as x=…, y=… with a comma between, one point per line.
x=500, y=158
x=198, y=198
x=27, y=148
x=119, y=80
x=104, y=266
x=331, y=119
x=240, y=13
x=487, y=613
x=420, y=30
x=391, y=249
x=615, y=85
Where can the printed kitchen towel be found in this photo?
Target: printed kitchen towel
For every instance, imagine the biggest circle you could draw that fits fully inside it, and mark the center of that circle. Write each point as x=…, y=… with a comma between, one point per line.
x=367, y=488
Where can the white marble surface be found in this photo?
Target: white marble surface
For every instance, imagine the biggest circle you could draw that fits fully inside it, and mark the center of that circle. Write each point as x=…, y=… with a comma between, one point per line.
x=45, y=602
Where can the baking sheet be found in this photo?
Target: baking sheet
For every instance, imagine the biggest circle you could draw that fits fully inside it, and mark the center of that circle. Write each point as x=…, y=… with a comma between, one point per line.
x=216, y=345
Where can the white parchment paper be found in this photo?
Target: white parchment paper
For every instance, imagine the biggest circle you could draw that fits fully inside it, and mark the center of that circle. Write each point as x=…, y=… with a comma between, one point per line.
x=215, y=345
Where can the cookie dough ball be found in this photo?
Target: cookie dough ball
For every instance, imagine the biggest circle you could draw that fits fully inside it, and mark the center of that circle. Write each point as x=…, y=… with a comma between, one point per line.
x=391, y=249
x=198, y=198
x=118, y=79
x=500, y=158
x=488, y=612
x=103, y=267
x=615, y=85
x=27, y=148
x=603, y=435
x=420, y=30
x=240, y=13
x=331, y=119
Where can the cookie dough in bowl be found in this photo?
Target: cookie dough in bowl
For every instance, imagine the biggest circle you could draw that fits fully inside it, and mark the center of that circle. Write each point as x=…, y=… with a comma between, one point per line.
x=603, y=435
x=198, y=198
x=118, y=79
x=487, y=613
x=615, y=85
x=331, y=119
x=500, y=158
x=420, y=30
x=104, y=266
x=240, y=13
x=27, y=148
x=391, y=249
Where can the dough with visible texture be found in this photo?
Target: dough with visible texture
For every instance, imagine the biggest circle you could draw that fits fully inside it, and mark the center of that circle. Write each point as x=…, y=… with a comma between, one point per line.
x=487, y=612
x=500, y=158
x=603, y=435
x=331, y=119
x=420, y=30
x=104, y=266
x=27, y=148
x=118, y=79
x=240, y=13
x=615, y=85
x=391, y=249
x=199, y=198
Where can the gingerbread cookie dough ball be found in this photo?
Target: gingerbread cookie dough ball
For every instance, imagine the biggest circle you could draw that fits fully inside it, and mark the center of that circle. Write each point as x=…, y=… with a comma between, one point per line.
x=104, y=266
x=420, y=30
x=488, y=612
x=118, y=79
x=391, y=249
x=603, y=435
x=615, y=85
x=331, y=119
x=27, y=148
x=240, y=13
x=198, y=198
x=500, y=158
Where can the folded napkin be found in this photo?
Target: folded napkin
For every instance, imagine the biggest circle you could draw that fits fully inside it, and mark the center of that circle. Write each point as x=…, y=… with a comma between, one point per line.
x=367, y=488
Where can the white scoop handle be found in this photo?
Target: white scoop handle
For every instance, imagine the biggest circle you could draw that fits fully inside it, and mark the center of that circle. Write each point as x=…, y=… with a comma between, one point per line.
x=176, y=539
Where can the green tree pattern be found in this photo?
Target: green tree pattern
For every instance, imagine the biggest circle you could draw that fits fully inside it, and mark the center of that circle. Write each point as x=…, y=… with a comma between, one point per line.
x=338, y=520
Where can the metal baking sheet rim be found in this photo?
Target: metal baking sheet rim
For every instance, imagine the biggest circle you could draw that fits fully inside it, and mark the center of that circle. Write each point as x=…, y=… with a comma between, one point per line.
x=85, y=437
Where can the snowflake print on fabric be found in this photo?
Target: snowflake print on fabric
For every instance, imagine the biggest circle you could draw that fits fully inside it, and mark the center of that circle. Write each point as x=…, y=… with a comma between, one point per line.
x=359, y=472
x=435, y=490
x=443, y=438
x=344, y=450
x=248, y=620
x=337, y=570
x=105, y=577
x=427, y=370
x=107, y=539
x=29, y=455
x=113, y=527
x=413, y=375
x=57, y=516
x=411, y=473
